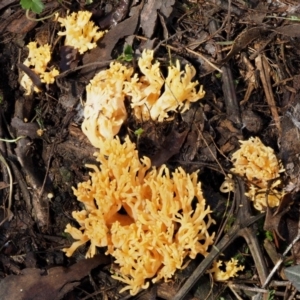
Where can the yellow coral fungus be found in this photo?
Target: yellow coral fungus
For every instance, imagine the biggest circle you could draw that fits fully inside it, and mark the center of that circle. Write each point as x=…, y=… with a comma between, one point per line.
x=104, y=111
x=257, y=162
x=179, y=89
x=265, y=197
x=81, y=33
x=38, y=59
x=261, y=167
x=49, y=77
x=231, y=270
x=161, y=227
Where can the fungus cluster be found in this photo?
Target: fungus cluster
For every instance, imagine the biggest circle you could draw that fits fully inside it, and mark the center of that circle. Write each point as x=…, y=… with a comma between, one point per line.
x=149, y=220
x=104, y=109
x=153, y=96
x=80, y=33
x=150, y=95
x=260, y=166
x=38, y=59
x=231, y=269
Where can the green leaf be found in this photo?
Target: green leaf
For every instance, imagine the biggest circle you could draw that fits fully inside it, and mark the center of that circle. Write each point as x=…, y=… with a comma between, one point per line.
x=36, y=6
x=138, y=132
x=128, y=51
x=26, y=4
x=127, y=54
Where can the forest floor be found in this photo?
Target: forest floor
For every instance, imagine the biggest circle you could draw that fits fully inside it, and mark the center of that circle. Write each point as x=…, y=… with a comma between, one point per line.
x=246, y=56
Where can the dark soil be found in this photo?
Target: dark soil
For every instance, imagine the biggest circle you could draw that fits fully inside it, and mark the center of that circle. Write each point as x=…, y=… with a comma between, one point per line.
x=247, y=58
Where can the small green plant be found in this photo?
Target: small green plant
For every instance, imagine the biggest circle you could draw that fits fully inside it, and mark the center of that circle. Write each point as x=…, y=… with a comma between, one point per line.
x=127, y=54
x=269, y=236
x=271, y=295
x=35, y=6
x=230, y=221
x=218, y=75
x=138, y=132
x=240, y=257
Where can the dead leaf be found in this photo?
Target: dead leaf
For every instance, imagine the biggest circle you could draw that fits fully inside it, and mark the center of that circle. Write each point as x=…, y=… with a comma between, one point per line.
x=293, y=275
x=243, y=40
x=292, y=30
x=107, y=44
x=159, y=145
x=33, y=285
x=171, y=145
x=252, y=121
x=3, y=185
x=273, y=219
x=149, y=14
x=290, y=143
x=257, y=15
x=229, y=136
x=116, y=16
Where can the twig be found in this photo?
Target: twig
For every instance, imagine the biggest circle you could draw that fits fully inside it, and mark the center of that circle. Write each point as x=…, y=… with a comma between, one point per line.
x=232, y=106
x=204, y=58
x=279, y=262
x=264, y=72
x=8, y=209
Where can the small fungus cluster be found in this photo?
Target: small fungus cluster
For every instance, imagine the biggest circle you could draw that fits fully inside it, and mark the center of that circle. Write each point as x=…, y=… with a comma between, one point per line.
x=260, y=166
x=149, y=220
x=179, y=89
x=150, y=95
x=104, y=109
x=38, y=59
x=231, y=269
x=80, y=33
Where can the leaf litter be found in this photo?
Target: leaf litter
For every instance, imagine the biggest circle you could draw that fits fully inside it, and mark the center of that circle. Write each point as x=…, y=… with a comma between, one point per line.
x=252, y=89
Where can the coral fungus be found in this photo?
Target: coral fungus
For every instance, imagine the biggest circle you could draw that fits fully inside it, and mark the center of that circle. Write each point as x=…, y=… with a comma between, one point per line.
x=81, y=33
x=259, y=164
x=166, y=217
x=231, y=270
x=38, y=59
x=150, y=95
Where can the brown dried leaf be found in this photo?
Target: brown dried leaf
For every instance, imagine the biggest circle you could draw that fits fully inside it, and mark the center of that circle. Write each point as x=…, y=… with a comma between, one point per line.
x=3, y=185
x=107, y=44
x=160, y=146
x=32, y=285
x=257, y=15
x=273, y=220
x=149, y=14
x=243, y=40
x=292, y=30
x=116, y=16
